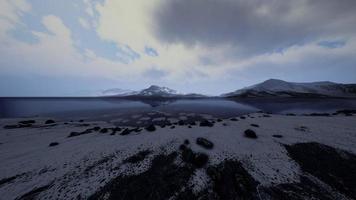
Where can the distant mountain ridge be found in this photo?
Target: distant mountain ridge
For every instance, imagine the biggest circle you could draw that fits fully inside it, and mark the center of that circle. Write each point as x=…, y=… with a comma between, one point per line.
x=280, y=88
x=152, y=91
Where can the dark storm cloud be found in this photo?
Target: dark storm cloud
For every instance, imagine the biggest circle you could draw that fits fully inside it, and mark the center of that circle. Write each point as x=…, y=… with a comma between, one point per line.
x=253, y=26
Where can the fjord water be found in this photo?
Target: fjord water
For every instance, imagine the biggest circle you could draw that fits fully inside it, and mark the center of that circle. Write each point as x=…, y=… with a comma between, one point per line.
x=101, y=108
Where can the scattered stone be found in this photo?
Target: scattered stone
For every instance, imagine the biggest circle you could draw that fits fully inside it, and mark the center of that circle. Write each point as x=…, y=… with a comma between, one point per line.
x=172, y=127
x=50, y=121
x=224, y=124
x=27, y=122
x=52, y=144
x=126, y=131
x=150, y=128
x=11, y=126
x=242, y=117
x=73, y=134
x=219, y=120
x=291, y=114
x=277, y=136
x=250, y=134
x=234, y=119
x=302, y=129
x=140, y=156
x=104, y=130
x=193, y=123
x=255, y=125
x=318, y=114
x=81, y=120
x=346, y=112
x=204, y=143
x=96, y=128
x=265, y=115
x=189, y=126
x=186, y=142
x=181, y=123
x=206, y=123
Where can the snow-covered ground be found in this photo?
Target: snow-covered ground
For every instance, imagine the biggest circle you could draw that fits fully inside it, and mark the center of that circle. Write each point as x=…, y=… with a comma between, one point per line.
x=78, y=166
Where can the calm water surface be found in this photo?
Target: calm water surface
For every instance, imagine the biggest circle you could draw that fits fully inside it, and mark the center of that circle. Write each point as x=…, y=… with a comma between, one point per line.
x=101, y=108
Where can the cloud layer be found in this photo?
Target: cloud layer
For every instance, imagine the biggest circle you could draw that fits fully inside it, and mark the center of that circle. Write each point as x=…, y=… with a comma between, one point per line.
x=209, y=46
x=254, y=26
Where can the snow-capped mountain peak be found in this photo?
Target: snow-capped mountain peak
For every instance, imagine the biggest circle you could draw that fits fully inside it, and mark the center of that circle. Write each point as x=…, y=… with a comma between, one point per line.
x=155, y=90
x=275, y=87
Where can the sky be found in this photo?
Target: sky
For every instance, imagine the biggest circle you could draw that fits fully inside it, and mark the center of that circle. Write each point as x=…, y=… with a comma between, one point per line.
x=81, y=47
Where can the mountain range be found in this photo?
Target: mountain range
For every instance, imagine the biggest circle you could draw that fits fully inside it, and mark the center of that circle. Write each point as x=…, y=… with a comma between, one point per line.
x=280, y=88
x=268, y=88
x=152, y=91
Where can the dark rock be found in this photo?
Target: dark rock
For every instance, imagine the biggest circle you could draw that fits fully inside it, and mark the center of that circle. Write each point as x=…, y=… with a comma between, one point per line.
x=335, y=167
x=27, y=122
x=35, y=192
x=305, y=189
x=196, y=159
x=320, y=114
x=242, y=117
x=224, y=124
x=255, y=125
x=200, y=160
x=53, y=144
x=186, y=142
x=150, y=128
x=206, y=123
x=172, y=127
x=188, y=155
x=231, y=181
x=277, y=136
x=346, y=112
x=291, y=114
x=161, y=181
x=219, y=120
x=96, y=128
x=104, y=130
x=81, y=120
x=192, y=123
x=189, y=126
x=181, y=123
x=50, y=121
x=233, y=119
x=204, y=143
x=140, y=156
x=137, y=130
x=11, y=126
x=182, y=147
x=126, y=131
x=265, y=115
x=250, y=134
x=9, y=179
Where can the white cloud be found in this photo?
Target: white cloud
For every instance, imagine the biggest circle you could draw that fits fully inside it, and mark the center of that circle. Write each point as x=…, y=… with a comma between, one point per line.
x=10, y=13
x=84, y=23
